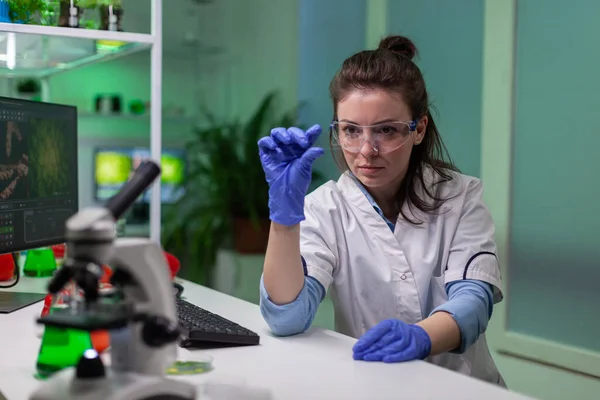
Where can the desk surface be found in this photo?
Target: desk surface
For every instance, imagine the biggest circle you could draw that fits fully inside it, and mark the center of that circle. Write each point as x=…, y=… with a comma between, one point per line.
x=315, y=365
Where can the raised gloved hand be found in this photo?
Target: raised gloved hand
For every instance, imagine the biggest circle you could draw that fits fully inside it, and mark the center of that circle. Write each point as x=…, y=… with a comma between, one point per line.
x=393, y=341
x=287, y=157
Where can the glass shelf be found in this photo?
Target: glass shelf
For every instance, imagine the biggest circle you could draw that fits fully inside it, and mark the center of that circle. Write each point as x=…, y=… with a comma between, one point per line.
x=35, y=55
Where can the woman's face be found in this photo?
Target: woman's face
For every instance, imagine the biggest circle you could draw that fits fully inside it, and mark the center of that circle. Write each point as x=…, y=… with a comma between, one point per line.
x=375, y=168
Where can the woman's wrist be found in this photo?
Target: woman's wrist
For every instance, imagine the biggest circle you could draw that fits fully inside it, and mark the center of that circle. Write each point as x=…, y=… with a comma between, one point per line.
x=277, y=227
x=443, y=332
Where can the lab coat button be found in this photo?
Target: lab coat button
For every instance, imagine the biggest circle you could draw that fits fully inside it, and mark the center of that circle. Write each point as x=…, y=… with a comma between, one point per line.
x=403, y=277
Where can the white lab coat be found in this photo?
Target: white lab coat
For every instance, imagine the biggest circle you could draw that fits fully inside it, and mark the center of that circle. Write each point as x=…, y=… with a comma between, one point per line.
x=376, y=274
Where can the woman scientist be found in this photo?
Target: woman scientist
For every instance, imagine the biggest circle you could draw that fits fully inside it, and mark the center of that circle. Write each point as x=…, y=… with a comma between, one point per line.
x=403, y=239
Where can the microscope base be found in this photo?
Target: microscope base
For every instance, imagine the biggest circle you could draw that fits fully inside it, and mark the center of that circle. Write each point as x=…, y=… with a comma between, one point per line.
x=114, y=386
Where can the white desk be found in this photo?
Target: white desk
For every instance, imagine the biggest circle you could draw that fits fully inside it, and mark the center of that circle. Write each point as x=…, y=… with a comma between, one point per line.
x=314, y=365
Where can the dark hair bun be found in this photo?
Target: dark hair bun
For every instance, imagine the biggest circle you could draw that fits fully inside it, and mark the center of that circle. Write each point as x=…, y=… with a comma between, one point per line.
x=399, y=44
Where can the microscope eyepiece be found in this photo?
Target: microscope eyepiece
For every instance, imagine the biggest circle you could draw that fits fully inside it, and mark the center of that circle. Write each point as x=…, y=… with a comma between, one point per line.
x=141, y=180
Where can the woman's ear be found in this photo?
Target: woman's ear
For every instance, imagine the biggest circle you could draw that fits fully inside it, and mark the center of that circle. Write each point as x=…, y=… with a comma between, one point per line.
x=421, y=129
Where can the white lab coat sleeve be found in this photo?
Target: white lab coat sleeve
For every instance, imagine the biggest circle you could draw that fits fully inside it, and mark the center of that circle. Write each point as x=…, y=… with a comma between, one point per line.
x=472, y=252
x=317, y=242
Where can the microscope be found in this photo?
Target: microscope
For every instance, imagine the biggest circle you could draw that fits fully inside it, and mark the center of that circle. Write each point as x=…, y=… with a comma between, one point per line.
x=141, y=318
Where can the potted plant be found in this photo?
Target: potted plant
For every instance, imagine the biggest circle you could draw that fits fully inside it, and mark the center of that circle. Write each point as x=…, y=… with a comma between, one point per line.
x=25, y=11
x=226, y=195
x=28, y=89
x=88, y=4
x=50, y=14
x=89, y=8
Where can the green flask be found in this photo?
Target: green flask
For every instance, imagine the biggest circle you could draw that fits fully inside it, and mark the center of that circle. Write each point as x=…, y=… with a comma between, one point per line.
x=40, y=263
x=61, y=347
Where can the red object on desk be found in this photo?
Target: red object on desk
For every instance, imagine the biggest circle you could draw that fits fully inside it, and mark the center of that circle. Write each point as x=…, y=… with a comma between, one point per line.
x=47, y=305
x=59, y=251
x=172, y=261
x=7, y=267
x=174, y=264
x=107, y=274
x=100, y=340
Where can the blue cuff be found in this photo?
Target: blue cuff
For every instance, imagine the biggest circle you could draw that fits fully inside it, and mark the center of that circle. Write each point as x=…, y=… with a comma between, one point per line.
x=297, y=316
x=470, y=303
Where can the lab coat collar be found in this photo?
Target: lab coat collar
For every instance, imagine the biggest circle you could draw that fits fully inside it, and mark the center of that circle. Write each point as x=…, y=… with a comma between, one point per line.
x=359, y=201
x=355, y=191
x=371, y=200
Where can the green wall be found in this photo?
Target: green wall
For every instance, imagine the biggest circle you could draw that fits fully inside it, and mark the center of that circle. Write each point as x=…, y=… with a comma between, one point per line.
x=554, y=250
x=509, y=24
x=449, y=37
x=319, y=59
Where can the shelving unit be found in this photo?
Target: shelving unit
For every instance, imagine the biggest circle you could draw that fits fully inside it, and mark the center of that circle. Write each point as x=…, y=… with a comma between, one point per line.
x=43, y=51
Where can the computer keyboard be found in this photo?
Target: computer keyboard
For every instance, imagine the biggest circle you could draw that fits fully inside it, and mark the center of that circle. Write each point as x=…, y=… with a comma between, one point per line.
x=201, y=327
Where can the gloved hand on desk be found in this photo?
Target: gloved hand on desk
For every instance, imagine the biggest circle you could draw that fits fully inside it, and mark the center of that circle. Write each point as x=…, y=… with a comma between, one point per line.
x=287, y=157
x=393, y=341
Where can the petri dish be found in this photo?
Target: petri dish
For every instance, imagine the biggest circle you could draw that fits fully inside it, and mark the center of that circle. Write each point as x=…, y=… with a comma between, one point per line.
x=199, y=365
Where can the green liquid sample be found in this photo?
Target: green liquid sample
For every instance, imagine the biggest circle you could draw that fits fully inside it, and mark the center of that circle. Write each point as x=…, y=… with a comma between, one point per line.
x=61, y=348
x=40, y=263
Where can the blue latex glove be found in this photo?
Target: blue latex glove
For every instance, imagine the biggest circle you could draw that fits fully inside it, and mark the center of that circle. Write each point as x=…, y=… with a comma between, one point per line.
x=393, y=341
x=287, y=157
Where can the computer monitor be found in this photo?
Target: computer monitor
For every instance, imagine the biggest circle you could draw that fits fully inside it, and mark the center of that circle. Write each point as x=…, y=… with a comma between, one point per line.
x=114, y=166
x=38, y=173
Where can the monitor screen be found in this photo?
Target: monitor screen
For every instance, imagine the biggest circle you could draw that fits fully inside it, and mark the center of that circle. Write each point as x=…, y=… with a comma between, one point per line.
x=38, y=173
x=114, y=166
